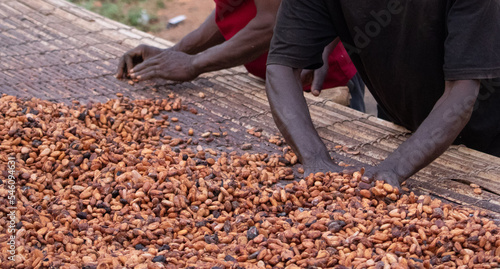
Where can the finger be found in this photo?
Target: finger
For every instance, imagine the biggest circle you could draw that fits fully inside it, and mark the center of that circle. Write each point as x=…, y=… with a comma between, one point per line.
x=146, y=74
x=144, y=65
x=121, y=67
x=138, y=68
x=130, y=64
x=126, y=62
x=317, y=83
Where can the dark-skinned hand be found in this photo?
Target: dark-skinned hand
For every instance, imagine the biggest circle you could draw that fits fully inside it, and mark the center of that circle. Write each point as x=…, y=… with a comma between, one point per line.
x=134, y=57
x=328, y=166
x=315, y=78
x=169, y=64
x=373, y=174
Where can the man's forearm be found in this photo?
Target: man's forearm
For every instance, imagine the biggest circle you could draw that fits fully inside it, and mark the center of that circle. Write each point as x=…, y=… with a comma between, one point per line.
x=438, y=131
x=201, y=39
x=247, y=45
x=291, y=114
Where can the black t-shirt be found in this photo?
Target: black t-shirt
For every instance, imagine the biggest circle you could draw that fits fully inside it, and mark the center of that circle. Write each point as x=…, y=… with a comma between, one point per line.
x=404, y=50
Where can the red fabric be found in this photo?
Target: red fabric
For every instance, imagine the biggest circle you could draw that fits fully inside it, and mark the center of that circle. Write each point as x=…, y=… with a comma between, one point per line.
x=233, y=15
x=340, y=70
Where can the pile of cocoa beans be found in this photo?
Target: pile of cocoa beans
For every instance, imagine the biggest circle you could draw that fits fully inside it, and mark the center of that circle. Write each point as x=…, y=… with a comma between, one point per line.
x=104, y=186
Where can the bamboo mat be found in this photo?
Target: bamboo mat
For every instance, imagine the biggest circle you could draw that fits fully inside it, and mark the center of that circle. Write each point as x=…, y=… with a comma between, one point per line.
x=54, y=50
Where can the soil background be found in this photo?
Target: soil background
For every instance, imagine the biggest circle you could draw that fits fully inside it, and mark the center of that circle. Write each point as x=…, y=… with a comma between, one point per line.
x=196, y=12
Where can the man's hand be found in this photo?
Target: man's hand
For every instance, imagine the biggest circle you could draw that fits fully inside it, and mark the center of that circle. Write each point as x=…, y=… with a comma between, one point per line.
x=324, y=165
x=134, y=57
x=315, y=78
x=373, y=174
x=169, y=64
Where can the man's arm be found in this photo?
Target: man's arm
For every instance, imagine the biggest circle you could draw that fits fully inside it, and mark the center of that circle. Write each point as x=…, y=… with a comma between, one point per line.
x=204, y=37
x=247, y=45
x=290, y=112
x=438, y=131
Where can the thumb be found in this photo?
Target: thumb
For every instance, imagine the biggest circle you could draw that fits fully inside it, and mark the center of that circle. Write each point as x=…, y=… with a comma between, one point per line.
x=315, y=92
x=317, y=83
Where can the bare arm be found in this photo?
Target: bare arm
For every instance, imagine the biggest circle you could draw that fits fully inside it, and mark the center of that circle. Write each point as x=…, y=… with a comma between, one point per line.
x=247, y=45
x=438, y=131
x=291, y=114
x=204, y=37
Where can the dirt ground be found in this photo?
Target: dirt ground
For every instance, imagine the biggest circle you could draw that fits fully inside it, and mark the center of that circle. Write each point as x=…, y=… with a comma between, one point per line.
x=196, y=12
